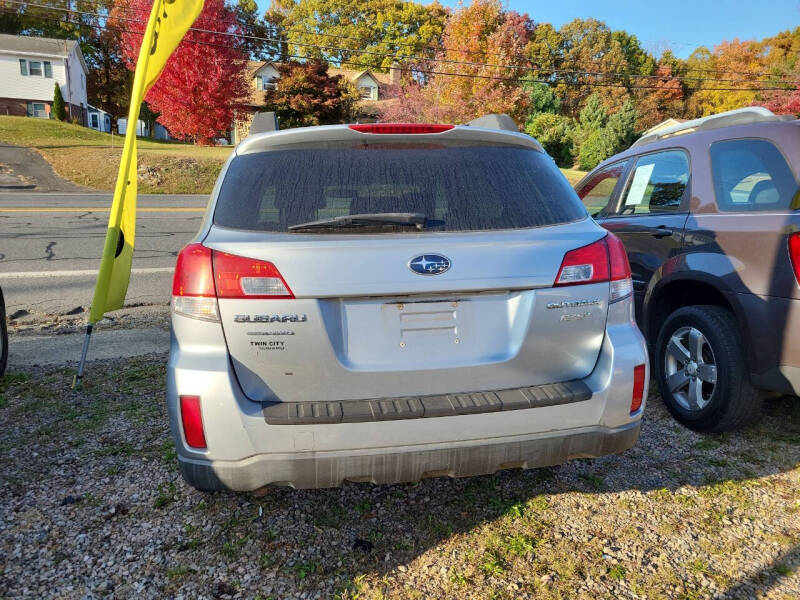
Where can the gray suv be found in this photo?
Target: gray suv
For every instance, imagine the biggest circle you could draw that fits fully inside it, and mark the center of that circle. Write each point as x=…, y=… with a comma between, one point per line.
x=708, y=211
x=390, y=302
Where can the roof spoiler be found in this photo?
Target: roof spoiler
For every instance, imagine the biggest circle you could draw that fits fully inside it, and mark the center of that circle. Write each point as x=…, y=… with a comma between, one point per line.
x=495, y=121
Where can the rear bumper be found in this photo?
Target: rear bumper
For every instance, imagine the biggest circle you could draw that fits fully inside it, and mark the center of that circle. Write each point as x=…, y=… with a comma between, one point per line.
x=409, y=463
x=245, y=451
x=768, y=325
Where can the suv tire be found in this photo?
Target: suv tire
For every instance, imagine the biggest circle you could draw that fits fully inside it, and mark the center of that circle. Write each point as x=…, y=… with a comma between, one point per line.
x=700, y=355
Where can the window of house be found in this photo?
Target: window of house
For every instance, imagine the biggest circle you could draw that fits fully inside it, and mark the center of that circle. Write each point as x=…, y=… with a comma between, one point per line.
x=35, y=68
x=658, y=183
x=366, y=92
x=38, y=109
x=752, y=175
x=597, y=192
x=95, y=121
x=265, y=83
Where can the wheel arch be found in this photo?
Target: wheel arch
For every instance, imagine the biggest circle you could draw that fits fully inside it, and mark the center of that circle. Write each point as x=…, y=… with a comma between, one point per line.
x=689, y=288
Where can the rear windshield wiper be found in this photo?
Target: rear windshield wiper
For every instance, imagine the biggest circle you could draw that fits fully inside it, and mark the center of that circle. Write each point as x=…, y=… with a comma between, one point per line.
x=417, y=220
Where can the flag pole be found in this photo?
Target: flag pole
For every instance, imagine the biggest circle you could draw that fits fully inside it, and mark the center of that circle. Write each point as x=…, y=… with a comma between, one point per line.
x=114, y=233
x=76, y=381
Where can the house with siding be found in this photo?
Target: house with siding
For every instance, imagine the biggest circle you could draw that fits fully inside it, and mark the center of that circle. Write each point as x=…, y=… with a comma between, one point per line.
x=374, y=88
x=29, y=67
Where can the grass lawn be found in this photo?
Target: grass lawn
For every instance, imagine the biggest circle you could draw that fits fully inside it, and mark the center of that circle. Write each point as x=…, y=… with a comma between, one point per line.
x=573, y=175
x=90, y=158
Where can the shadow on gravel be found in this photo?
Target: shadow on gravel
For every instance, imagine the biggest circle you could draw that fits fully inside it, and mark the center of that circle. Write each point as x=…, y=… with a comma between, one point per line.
x=93, y=505
x=764, y=579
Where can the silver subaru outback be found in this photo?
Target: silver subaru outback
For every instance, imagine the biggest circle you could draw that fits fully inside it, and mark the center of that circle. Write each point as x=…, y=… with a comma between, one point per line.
x=390, y=302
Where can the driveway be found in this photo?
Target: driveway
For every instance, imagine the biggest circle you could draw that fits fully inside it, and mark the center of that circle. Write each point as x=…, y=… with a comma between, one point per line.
x=24, y=170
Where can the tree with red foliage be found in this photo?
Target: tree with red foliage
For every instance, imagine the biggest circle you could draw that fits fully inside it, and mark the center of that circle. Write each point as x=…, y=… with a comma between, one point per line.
x=307, y=95
x=203, y=80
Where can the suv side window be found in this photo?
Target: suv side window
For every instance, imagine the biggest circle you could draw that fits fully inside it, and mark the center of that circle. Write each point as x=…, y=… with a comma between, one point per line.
x=596, y=193
x=751, y=175
x=657, y=184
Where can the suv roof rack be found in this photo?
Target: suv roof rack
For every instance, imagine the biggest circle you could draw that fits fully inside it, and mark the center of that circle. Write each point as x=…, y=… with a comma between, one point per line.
x=495, y=121
x=740, y=116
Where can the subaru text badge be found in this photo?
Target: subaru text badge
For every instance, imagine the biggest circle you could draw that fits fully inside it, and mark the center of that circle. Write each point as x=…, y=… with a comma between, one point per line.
x=429, y=264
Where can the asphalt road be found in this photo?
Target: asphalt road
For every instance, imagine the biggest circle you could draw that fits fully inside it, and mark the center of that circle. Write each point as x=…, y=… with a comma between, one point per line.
x=50, y=247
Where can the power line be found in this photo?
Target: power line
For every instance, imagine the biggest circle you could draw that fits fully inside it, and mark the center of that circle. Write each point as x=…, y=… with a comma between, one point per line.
x=429, y=71
x=533, y=69
x=572, y=61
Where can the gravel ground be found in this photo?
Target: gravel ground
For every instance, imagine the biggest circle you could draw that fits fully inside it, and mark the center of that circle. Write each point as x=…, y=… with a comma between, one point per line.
x=24, y=323
x=92, y=505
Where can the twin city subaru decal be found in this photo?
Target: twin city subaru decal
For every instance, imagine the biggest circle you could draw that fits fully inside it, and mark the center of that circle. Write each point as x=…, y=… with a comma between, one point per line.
x=429, y=264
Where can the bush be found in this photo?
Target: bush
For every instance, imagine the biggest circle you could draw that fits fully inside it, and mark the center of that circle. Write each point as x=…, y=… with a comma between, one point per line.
x=554, y=134
x=59, y=111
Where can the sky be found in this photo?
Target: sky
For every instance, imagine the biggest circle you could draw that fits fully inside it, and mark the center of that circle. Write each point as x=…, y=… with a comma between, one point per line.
x=680, y=25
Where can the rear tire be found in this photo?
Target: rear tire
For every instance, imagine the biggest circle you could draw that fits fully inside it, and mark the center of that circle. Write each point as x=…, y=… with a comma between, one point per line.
x=702, y=372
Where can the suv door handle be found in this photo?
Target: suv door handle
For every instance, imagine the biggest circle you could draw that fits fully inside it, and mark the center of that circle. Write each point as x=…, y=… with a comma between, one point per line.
x=661, y=231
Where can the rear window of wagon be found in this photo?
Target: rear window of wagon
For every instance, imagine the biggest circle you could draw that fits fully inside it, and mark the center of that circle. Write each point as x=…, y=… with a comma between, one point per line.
x=458, y=186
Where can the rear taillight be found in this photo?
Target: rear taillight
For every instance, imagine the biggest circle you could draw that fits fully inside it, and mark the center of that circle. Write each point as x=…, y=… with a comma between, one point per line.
x=638, y=388
x=794, y=254
x=192, y=419
x=621, y=284
x=240, y=277
x=604, y=260
x=588, y=264
x=202, y=275
x=388, y=128
x=193, y=284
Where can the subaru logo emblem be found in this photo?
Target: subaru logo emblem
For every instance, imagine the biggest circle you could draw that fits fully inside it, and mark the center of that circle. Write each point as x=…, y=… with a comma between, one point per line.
x=429, y=264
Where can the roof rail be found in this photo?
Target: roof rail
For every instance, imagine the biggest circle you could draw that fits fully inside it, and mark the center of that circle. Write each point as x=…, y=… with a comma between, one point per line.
x=740, y=116
x=495, y=121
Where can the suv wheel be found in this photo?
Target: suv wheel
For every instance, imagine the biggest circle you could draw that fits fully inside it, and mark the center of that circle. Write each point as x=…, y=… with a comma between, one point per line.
x=702, y=372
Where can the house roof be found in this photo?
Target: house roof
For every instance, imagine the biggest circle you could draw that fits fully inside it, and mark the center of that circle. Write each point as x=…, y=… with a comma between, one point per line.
x=663, y=125
x=24, y=44
x=38, y=45
x=354, y=74
x=351, y=74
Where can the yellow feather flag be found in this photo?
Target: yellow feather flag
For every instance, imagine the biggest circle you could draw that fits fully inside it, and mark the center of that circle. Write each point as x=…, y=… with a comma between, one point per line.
x=168, y=23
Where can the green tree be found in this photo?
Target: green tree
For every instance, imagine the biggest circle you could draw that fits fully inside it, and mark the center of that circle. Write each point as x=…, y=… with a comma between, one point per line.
x=554, y=134
x=358, y=33
x=594, y=115
x=542, y=98
x=253, y=26
x=59, y=111
x=622, y=127
x=594, y=149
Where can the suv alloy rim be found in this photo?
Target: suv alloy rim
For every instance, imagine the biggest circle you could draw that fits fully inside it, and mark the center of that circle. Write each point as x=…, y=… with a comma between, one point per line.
x=690, y=368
